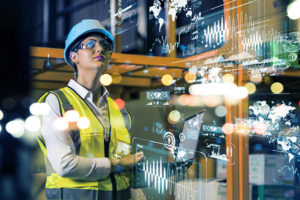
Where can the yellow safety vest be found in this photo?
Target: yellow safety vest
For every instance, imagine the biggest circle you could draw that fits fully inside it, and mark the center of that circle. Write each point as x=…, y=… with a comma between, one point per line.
x=92, y=143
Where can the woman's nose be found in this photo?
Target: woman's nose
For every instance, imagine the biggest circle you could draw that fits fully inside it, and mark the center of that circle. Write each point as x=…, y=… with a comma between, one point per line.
x=98, y=47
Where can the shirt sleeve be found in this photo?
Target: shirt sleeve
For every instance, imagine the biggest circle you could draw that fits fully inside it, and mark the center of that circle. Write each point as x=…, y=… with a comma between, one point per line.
x=62, y=153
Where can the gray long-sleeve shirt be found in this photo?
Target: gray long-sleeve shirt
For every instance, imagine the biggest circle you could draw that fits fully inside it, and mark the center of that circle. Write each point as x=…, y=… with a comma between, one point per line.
x=60, y=148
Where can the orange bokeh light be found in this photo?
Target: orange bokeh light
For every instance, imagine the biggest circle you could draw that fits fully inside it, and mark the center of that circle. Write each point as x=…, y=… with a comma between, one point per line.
x=120, y=103
x=228, y=128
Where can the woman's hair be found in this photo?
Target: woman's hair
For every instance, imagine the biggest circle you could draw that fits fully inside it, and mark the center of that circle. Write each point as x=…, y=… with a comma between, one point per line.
x=74, y=49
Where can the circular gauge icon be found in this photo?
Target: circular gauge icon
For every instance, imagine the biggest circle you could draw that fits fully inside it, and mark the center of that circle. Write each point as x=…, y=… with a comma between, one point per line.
x=181, y=137
x=169, y=140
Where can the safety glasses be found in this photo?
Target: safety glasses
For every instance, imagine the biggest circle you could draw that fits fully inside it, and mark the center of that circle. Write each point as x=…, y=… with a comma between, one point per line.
x=90, y=44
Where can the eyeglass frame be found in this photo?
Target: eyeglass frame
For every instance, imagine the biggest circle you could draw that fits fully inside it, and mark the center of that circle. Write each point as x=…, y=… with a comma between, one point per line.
x=80, y=44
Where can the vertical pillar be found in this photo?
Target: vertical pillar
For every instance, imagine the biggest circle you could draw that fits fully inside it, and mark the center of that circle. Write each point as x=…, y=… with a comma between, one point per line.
x=171, y=32
x=243, y=139
x=115, y=5
x=232, y=166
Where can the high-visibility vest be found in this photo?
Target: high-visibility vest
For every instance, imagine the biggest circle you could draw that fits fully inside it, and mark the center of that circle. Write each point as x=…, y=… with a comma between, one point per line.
x=91, y=144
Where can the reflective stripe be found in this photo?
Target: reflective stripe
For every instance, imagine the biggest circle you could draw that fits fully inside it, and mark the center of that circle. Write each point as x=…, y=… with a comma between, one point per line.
x=91, y=144
x=56, y=181
x=65, y=103
x=80, y=194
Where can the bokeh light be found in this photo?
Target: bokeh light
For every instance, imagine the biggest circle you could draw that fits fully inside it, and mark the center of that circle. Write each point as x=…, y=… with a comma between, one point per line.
x=243, y=128
x=212, y=100
x=83, y=123
x=1, y=115
x=259, y=128
x=116, y=78
x=33, y=124
x=39, y=109
x=61, y=124
x=276, y=88
x=190, y=77
x=167, y=80
x=16, y=127
x=228, y=128
x=120, y=103
x=256, y=77
x=228, y=78
x=242, y=92
x=71, y=116
x=174, y=116
x=105, y=79
x=250, y=87
x=220, y=111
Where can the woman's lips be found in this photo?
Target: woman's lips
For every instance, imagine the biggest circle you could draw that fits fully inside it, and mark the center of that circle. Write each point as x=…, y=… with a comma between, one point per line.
x=100, y=58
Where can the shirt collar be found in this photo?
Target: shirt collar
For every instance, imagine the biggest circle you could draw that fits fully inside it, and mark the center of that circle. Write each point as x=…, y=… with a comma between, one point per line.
x=83, y=92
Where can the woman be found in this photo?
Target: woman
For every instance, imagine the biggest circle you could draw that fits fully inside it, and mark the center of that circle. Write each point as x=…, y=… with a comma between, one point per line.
x=92, y=162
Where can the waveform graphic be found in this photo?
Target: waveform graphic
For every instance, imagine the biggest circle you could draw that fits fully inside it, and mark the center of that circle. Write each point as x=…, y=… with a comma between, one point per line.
x=163, y=178
x=216, y=32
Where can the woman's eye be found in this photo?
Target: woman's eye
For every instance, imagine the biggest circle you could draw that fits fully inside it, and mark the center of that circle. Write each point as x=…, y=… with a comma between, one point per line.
x=90, y=44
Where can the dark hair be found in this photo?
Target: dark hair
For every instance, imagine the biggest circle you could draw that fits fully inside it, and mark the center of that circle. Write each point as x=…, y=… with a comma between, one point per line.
x=74, y=48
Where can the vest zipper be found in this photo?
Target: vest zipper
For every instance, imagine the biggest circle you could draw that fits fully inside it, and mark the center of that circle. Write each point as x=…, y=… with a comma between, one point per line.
x=112, y=176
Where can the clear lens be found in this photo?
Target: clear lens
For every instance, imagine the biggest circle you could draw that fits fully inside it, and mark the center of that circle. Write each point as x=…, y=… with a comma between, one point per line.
x=90, y=44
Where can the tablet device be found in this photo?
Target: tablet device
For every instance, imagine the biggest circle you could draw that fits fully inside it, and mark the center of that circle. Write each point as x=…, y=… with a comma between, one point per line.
x=189, y=138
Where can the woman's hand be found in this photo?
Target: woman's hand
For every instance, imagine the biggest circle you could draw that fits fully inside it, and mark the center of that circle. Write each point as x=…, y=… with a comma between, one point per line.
x=126, y=162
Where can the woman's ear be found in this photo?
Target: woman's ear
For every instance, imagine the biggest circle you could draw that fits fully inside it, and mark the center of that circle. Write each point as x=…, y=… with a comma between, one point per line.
x=73, y=57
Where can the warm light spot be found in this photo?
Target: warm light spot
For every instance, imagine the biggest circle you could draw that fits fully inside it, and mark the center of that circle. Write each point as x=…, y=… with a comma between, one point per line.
x=228, y=78
x=190, y=77
x=167, y=80
x=228, y=128
x=243, y=128
x=242, y=92
x=259, y=127
x=232, y=99
x=105, y=79
x=71, y=116
x=212, y=100
x=276, y=88
x=250, y=87
x=83, y=123
x=174, y=116
x=39, y=109
x=116, y=78
x=220, y=111
x=120, y=103
x=16, y=127
x=32, y=124
x=192, y=100
x=256, y=77
x=182, y=99
x=61, y=124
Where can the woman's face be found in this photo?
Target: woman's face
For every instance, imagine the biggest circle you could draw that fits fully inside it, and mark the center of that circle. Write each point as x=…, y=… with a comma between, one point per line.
x=94, y=53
